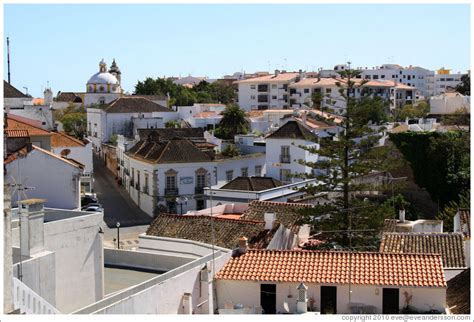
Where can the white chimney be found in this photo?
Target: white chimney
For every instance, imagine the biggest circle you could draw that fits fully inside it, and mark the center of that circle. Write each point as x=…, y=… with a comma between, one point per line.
x=48, y=96
x=277, y=72
x=401, y=213
x=270, y=218
x=243, y=245
x=32, y=226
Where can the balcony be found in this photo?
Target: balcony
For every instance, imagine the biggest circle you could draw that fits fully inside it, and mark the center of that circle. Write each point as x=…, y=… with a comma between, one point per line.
x=171, y=192
x=198, y=190
x=263, y=88
x=263, y=98
x=295, y=95
x=145, y=189
x=285, y=159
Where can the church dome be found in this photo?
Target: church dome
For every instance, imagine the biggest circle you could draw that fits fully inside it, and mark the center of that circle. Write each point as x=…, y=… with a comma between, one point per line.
x=103, y=78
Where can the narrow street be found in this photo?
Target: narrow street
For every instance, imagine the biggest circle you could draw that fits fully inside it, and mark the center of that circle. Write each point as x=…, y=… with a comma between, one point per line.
x=117, y=204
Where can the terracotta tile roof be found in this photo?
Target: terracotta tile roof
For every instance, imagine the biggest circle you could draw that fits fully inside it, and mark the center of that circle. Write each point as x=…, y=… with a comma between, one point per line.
x=13, y=155
x=293, y=130
x=254, y=114
x=151, y=97
x=449, y=245
x=282, y=77
x=314, y=82
x=68, y=97
x=25, y=120
x=61, y=139
x=390, y=225
x=199, y=228
x=168, y=151
x=286, y=213
x=193, y=134
x=458, y=293
x=17, y=133
x=15, y=122
x=38, y=101
x=252, y=184
x=465, y=217
x=128, y=104
x=9, y=91
x=331, y=267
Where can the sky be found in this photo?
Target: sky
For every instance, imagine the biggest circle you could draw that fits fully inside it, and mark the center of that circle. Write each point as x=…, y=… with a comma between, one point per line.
x=61, y=45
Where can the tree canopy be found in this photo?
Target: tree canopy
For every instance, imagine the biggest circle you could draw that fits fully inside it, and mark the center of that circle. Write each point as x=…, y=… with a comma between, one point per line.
x=348, y=219
x=204, y=92
x=465, y=86
x=233, y=122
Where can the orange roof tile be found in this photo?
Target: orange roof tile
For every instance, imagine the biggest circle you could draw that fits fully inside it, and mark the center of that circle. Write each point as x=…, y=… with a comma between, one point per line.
x=282, y=77
x=15, y=122
x=416, y=270
x=61, y=139
x=17, y=133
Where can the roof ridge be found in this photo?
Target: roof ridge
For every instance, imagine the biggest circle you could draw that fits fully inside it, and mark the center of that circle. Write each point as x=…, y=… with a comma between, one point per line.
x=13, y=117
x=244, y=221
x=58, y=157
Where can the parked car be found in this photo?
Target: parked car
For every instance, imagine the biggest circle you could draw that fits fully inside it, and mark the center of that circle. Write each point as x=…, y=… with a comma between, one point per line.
x=88, y=199
x=93, y=208
x=93, y=204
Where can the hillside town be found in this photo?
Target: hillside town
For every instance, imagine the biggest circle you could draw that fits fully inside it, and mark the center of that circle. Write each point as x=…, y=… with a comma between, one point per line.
x=342, y=190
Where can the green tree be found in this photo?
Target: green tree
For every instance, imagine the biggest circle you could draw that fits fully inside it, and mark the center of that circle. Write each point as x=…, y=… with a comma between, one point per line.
x=230, y=151
x=450, y=210
x=172, y=124
x=75, y=124
x=342, y=163
x=465, y=86
x=317, y=100
x=233, y=122
x=410, y=111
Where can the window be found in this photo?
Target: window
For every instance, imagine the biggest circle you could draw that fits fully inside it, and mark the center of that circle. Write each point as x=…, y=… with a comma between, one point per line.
x=285, y=175
x=258, y=170
x=200, y=180
x=328, y=91
x=393, y=76
x=171, y=181
x=252, y=97
x=138, y=181
x=285, y=154
x=376, y=76
x=252, y=87
x=404, y=76
x=382, y=76
x=229, y=175
x=274, y=97
x=274, y=86
x=409, y=77
x=145, y=187
x=101, y=88
x=245, y=172
x=306, y=90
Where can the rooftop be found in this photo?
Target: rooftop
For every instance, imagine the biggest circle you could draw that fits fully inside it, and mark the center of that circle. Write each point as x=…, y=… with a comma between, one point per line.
x=458, y=293
x=465, y=218
x=61, y=139
x=15, y=122
x=252, y=184
x=9, y=91
x=449, y=245
x=293, y=130
x=130, y=104
x=332, y=267
x=281, y=77
x=68, y=97
x=227, y=231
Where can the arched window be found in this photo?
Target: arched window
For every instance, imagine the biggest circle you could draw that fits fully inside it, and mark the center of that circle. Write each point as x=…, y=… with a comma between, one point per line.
x=102, y=100
x=101, y=88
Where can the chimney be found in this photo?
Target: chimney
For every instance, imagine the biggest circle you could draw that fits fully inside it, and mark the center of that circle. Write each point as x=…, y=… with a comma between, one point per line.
x=243, y=245
x=48, y=96
x=401, y=213
x=277, y=72
x=32, y=226
x=302, y=302
x=270, y=218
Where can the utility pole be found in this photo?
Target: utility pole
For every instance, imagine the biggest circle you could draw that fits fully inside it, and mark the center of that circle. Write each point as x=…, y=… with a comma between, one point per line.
x=8, y=58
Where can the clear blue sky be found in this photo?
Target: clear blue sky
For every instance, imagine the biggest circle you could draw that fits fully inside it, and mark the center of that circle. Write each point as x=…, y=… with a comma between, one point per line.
x=63, y=44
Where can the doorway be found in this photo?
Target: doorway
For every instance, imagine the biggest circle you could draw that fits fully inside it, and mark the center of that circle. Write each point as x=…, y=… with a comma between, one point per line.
x=391, y=298
x=328, y=300
x=268, y=298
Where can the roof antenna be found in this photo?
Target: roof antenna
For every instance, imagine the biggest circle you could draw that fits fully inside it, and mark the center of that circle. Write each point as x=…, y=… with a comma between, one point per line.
x=8, y=58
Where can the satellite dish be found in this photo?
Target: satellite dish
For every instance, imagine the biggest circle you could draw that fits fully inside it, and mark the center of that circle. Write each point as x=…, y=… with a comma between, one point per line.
x=65, y=152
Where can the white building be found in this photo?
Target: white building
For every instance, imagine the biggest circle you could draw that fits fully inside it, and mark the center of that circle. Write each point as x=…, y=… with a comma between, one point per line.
x=449, y=103
x=118, y=117
x=283, y=151
x=50, y=176
x=420, y=78
x=58, y=261
x=329, y=282
x=67, y=146
x=444, y=81
x=171, y=167
x=397, y=94
x=266, y=92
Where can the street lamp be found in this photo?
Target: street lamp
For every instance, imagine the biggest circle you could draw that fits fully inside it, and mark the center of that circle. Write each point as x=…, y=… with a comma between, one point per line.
x=118, y=234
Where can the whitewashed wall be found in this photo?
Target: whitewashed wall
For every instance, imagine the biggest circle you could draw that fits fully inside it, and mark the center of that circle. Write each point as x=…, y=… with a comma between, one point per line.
x=80, y=154
x=54, y=180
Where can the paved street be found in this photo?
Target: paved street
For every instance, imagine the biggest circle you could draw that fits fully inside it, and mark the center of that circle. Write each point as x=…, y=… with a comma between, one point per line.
x=118, y=206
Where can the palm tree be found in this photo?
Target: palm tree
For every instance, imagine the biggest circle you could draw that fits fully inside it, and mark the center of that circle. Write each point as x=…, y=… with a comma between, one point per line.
x=233, y=122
